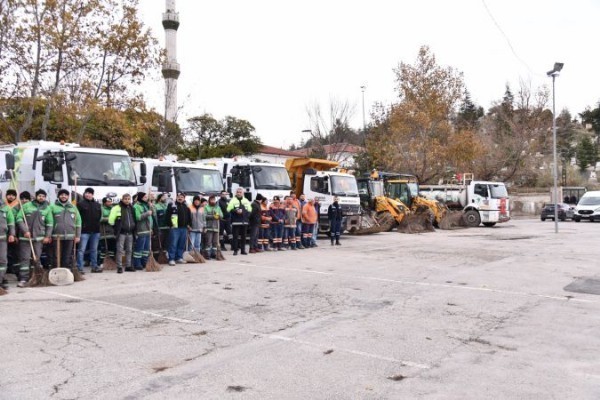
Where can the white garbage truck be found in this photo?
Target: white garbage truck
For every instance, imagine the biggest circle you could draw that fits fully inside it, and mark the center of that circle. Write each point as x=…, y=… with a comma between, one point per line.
x=52, y=166
x=484, y=202
x=253, y=177
x=172, y=177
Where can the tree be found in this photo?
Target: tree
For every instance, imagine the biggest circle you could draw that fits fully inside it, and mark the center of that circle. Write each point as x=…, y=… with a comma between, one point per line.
x=208, y=137
x=413, y=134
x=69, y=55
x=328, y=129
x=586, y=153
x=592, y=117
x=468, y=114
x=515, y=131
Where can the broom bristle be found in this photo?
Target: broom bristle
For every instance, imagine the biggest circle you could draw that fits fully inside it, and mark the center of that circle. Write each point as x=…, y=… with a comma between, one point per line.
x=198, y=257
x=187, y=256
x=220, y=256
x=3, y=292
x=77, y=277
x=109, y=264
x=39, y=277
x=162, y=258
x=152, y=265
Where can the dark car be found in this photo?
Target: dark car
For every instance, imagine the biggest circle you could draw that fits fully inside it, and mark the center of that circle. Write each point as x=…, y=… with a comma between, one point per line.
x=565, y=212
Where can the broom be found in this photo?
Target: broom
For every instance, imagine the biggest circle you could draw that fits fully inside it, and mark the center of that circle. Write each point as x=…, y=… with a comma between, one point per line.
x=108, y=263
x=193, y=255
x=151, y=264
x=77, y=276
x=219, y=256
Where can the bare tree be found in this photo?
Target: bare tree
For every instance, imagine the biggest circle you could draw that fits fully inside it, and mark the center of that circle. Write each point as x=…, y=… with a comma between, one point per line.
x=328, y=129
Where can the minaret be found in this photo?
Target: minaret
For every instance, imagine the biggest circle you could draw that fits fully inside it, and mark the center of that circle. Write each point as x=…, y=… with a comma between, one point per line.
x=170, y=68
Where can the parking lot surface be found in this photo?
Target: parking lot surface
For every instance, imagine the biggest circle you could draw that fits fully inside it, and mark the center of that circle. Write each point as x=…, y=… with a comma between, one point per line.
x=508, y=312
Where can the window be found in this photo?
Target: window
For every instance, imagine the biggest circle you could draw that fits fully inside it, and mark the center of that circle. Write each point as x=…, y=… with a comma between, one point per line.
x=481, y=190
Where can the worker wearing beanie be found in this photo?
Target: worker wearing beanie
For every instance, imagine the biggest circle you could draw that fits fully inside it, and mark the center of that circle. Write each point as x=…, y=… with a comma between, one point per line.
x=143, y=231
x=66, y=230
x=91, y=213
x=7, y=235
x=35, y=222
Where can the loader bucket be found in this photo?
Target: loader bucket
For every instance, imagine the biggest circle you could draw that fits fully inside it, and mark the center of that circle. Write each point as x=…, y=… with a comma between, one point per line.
x=453, y=220
x=370, y=225
x=417, y=223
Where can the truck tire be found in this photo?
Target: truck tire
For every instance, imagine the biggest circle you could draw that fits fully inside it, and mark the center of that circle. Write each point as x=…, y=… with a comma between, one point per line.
x=472, y=218
x=576, y=219
x=489, y=224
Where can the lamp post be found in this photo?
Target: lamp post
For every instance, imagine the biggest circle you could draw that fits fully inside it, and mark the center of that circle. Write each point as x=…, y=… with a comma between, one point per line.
x=554, y=73
x=363, y=88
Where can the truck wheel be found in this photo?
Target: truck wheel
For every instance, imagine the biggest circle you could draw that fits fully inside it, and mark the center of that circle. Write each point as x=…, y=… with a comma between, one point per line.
x=472, y=218
x=543, y=219
x=489, y=224
x=576, y=219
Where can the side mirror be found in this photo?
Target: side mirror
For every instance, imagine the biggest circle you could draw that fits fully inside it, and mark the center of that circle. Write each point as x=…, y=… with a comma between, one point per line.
x=70, y=157
x=142, y=179
x=10, y=161
x=143, y=172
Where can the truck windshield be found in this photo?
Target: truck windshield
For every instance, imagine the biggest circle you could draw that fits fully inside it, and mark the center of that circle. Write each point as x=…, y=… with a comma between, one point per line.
x=198, y=181
x=271, y=177
x=589, y=201
x=95, y=169
x=498, y=191
x=344, y=186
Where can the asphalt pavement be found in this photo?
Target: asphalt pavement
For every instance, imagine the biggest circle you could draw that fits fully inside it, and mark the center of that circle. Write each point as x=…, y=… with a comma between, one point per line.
x=478, y=313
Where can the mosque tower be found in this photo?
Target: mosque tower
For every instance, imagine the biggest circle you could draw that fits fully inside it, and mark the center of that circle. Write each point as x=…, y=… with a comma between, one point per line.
x=170, y=69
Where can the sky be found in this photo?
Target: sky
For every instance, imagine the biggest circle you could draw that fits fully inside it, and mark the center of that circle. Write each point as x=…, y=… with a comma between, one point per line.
x=267, y=61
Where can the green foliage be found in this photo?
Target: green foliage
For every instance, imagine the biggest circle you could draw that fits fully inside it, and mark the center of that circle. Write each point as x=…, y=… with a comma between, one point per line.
x=586, y=153
x=468, y=114
x=592, y=117
x=208, y=137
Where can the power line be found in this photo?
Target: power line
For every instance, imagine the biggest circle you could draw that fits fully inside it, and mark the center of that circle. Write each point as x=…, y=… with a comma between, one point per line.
x=512, y=49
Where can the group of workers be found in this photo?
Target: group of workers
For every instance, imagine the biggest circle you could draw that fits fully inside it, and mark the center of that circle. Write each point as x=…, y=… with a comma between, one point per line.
x=74, y=231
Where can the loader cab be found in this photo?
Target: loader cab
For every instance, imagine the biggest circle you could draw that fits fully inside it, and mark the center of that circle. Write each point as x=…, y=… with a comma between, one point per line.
x=368, y=190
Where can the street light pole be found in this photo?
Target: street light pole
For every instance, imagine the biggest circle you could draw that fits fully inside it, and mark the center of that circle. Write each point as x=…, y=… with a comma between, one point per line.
x=363, y=87
x=554, y=73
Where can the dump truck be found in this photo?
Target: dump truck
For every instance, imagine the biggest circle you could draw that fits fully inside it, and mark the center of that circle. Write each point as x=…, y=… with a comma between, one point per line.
x=484, y=202
x=323, y=180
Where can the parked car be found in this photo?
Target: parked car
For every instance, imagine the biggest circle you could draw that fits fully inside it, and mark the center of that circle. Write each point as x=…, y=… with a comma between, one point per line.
x=565, y=212
x=588, y=207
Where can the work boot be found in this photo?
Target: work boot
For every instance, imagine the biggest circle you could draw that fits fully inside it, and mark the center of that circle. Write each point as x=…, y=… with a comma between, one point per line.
x=337, y=243
x=119, y=270
x=22, y=284
x=235, y=252
x=332, y=242
x=252, y=251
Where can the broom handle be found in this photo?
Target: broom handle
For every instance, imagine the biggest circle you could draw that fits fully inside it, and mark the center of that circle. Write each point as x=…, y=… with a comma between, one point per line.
x=58, y=253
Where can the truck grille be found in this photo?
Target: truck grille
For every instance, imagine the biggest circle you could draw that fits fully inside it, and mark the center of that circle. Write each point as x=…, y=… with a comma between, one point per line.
x=585, y=212
x=348, y=209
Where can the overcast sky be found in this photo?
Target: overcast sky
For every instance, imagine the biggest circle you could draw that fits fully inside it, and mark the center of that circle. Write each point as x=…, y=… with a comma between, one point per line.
x=266, y=61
